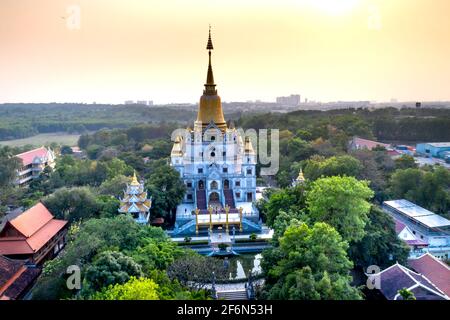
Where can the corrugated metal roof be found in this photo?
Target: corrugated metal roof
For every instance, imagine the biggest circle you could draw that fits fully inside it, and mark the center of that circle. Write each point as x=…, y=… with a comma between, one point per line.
x=415, y=212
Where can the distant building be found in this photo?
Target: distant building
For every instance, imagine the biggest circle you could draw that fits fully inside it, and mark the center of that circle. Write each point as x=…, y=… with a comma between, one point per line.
x=433, y=149
x=135, y=201
x=16, y=278
x=33, y=163
x=434, y=269
x=360, y=144
x=397, y=277
x=34, y=235
x=425, y=225
x=78, y=153
x=292, y=100
x=407, y=235
x=418, y=104
x=128, y=102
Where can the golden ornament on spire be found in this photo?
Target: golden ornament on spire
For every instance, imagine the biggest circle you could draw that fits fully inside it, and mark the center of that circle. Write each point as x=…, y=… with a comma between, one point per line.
x=134, y=180
x=210, y=108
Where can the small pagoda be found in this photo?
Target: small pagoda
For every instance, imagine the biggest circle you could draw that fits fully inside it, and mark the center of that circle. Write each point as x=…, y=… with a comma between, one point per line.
x=136, y=202
x=300, y=180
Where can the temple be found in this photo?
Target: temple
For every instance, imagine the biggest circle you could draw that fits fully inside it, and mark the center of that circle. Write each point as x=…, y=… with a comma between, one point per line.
x=218, y=167
x=135, y=201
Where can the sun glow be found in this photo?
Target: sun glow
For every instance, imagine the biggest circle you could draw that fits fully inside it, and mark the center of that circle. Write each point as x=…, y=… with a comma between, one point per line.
x=335, y=7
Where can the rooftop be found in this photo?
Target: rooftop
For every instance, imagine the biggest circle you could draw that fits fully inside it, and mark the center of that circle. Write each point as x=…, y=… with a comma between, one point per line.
x=29, y=156
x=397, y=277
x=417, y=213
x=434, y=269
x=439, y=144
x=30, y=231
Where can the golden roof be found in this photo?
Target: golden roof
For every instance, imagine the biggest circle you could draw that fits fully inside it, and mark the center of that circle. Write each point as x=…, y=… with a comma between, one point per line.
x=301, y=177
x=210, y=107
x=177, y=148
x=134, y=181
x=248, y=148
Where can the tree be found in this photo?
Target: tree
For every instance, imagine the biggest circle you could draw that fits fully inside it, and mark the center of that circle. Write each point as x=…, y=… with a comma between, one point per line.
x=342, y=203
x=114, y=186
x=429, y=189
x=195, y=271
x=111, y=267
x=311, y=263
x=380, y=245
x=9, y=164
x=317, y=167
x=406, y=294
x=86, y=241
x=134, y=289
x=405, y=162
x=167, y=190
x=283, y=200
x=66, y=150
x=72, y=203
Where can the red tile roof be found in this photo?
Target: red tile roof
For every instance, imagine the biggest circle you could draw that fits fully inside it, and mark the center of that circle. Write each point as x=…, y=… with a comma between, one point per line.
x=15, y=278
x=28, y=157
x=434, y=269
x=369, y=144
x=32, y=220
x=37, y=225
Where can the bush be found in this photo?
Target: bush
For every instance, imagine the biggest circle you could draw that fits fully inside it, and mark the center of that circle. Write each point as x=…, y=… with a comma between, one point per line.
x=253, y=237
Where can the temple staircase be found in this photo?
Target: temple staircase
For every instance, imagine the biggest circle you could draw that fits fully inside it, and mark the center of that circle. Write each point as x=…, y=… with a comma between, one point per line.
x=201, y=199
x=229, y=198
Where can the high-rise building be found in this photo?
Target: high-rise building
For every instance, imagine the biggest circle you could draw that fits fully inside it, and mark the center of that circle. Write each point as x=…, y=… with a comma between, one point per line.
x=293, y=100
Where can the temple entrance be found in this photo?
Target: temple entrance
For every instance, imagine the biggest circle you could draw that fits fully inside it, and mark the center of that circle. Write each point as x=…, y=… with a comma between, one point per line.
x=226, y=184
x=214, y=201
x=201, y=185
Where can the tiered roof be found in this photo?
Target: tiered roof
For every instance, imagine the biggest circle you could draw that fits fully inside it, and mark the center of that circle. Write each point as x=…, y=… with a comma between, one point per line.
x=30, y=231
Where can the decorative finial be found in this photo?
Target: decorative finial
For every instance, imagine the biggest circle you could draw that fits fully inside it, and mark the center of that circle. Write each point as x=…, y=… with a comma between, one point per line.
x=209, y=46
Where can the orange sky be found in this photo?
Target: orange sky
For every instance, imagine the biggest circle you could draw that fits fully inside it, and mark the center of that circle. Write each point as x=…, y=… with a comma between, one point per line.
x=325, y=50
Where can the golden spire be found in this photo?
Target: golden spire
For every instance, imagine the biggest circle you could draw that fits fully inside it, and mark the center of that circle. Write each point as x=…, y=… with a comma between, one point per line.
x=210, y=108
x=210, y=87
x=134, y=180
x=301, y=177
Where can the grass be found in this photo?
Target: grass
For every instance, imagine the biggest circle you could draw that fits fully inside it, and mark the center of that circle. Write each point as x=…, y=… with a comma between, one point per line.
x=44, y=139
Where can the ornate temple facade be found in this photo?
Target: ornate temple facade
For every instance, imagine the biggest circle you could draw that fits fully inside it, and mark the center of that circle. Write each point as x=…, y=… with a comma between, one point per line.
x=218, y=167
x=135, y=201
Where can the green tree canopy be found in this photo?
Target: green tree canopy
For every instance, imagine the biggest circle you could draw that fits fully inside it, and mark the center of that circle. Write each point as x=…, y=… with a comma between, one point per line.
x=134, y=289
x=342, y=202
x=310, y=263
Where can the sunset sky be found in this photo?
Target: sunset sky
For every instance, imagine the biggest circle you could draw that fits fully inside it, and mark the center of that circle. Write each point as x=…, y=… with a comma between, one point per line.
x=325, y=50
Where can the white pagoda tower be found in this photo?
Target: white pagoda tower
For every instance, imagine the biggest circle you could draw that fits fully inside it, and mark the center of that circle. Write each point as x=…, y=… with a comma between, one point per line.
x=136, y=202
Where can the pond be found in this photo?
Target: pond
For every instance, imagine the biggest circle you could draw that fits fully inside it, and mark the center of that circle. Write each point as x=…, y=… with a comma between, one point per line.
x=239, y=266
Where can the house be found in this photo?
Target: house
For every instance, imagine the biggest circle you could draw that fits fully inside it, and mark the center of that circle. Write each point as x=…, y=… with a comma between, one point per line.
x=425, y=225
x=437, y=271
x=361, y=144
x=406, y=234
x=433, y=149
x=33, y=163
x=397, y=277
x=34, y=235
x=16, y=278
